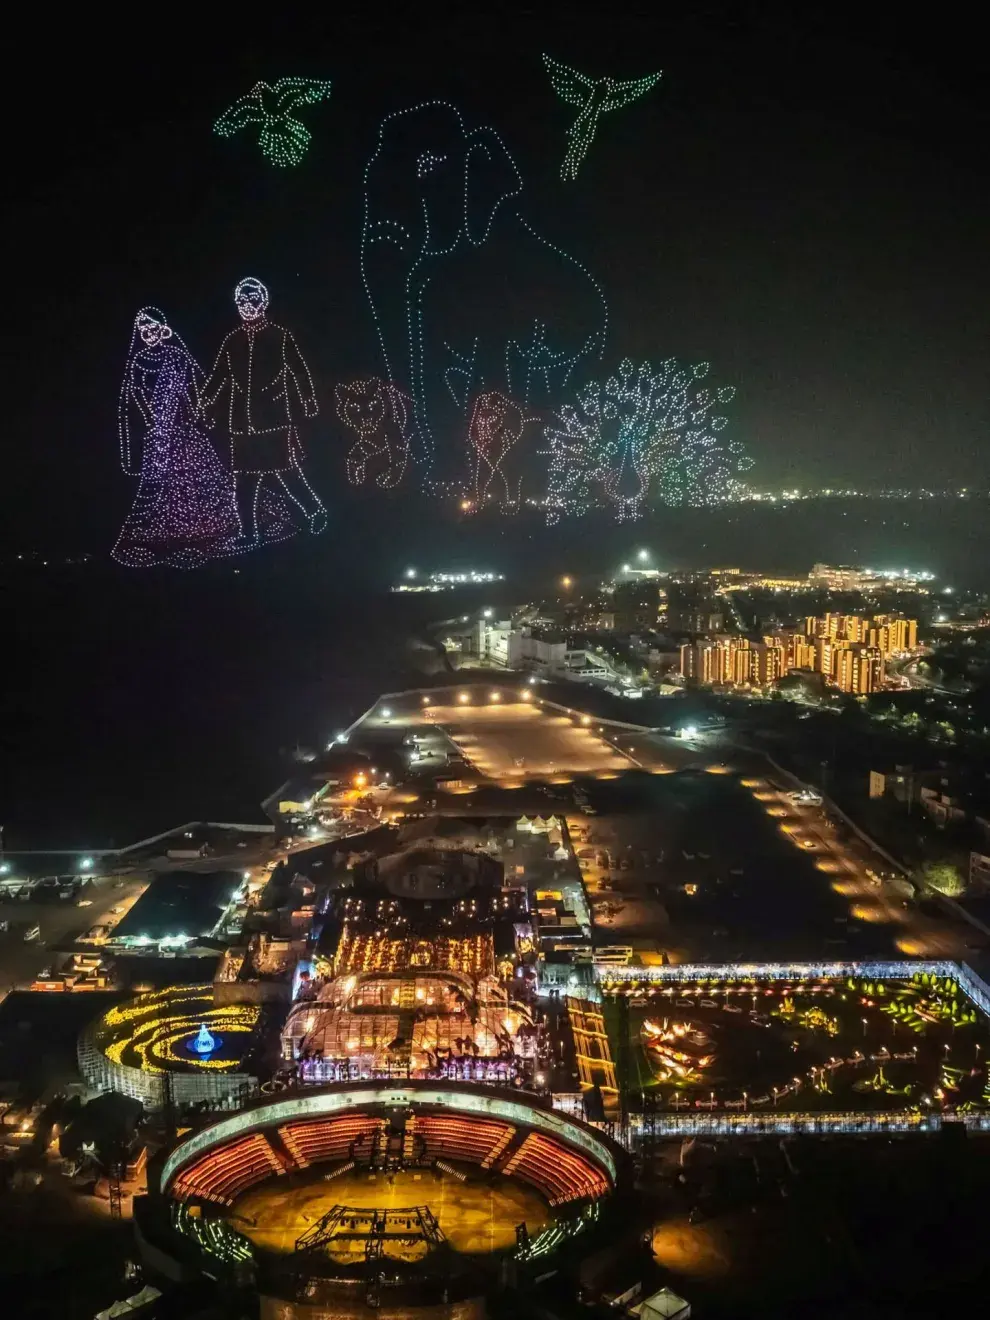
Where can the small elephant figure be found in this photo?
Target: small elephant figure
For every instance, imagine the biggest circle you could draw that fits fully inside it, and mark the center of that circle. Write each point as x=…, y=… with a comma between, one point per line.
x=377, y=411
x=467, y=297
x=497, y=426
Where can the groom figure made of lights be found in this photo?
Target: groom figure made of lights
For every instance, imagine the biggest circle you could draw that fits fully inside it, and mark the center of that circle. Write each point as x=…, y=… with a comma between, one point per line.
x=268, y=385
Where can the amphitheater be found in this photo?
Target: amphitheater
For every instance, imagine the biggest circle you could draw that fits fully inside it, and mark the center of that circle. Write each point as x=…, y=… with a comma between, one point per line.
x=358, y=1197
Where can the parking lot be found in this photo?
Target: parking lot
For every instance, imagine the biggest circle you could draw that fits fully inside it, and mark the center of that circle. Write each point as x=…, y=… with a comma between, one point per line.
x=60, y=922
x=510, y=740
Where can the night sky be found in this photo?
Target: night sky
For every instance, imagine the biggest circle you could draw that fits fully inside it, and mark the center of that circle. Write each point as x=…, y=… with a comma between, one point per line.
x=801, y=202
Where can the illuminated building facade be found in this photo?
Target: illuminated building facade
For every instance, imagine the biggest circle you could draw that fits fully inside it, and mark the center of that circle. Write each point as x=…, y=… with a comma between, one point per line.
x=735, y=662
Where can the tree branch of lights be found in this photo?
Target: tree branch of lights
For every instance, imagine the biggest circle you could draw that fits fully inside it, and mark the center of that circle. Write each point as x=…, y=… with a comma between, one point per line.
x=378, y=412
x=283, y=139
x=643, y=435
x=592, y=97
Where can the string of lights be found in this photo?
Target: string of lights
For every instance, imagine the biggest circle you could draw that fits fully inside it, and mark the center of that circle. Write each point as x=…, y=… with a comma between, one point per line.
x=441, y=218
x=283, y=139
x=378, y=412
x=642, y=435
x=593, y=97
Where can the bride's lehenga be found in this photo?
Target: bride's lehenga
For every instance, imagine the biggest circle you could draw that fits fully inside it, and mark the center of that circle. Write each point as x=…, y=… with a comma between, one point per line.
x=184, y=512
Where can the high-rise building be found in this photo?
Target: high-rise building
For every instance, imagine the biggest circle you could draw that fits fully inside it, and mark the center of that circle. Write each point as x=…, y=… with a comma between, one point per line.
x=889, y=633
x=858, y=669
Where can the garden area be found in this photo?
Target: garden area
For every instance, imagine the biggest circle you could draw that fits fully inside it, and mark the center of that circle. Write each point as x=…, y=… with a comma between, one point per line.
x=816, y=1045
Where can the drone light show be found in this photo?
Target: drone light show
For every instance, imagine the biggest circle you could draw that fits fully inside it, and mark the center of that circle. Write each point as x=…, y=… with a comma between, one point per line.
x=643, y=435
x=487, y=384
x=283, y=139
x=592, y=97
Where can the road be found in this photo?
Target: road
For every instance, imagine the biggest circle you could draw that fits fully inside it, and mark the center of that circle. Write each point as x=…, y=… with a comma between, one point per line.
x=60, y=922
x=848, y=863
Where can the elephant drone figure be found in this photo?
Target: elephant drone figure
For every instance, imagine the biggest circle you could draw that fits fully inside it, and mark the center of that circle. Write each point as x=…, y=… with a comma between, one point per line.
x=377, y=411
x=497, y=425
x=467, y=297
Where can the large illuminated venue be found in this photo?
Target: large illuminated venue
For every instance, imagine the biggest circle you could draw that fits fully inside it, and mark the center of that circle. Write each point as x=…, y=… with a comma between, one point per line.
x=423, y=961
x=407, y=1193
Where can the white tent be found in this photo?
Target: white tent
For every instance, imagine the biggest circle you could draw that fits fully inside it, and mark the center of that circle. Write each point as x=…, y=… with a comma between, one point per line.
x=665, y=1305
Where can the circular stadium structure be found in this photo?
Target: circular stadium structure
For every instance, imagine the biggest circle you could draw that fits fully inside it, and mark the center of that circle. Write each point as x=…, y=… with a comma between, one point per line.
x=381, y=1197
x=179, y=1031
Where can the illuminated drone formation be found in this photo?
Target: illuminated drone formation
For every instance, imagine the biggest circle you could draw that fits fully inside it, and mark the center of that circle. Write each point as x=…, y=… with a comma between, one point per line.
x=467, y=297
x=260, y=393
x=377, y=411
x=183, y=512
x=283, y=138
x=497, y=425
x=593, y=97
x=642, y=436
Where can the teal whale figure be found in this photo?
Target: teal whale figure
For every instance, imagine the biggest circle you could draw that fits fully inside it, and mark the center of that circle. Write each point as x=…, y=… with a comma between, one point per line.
x=593, y=97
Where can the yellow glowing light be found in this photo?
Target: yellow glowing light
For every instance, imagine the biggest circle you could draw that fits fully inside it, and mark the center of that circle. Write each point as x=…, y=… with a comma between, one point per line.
x=495, y=696
x=566, y=582
x=463, y=697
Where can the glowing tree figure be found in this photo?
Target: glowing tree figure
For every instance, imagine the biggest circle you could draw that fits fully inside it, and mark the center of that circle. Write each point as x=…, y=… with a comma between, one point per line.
x=183, y=512
x=377, y=411
x=283, y=138
x=467, y=297
x=593, y=97
x=259, y=386
x=643, y=435
x=497, y=426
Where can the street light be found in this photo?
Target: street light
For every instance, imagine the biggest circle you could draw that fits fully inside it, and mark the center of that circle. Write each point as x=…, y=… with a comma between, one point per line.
x=410, y=572
x=643, y=556
x=566, y=582
x=386, y=713
x=86, y=864
x=486, y=613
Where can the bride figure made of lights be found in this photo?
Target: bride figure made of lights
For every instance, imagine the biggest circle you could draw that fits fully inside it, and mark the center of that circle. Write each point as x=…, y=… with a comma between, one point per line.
x=184, y=512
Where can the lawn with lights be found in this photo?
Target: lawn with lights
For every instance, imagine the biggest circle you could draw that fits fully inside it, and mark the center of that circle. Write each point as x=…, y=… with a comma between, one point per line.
x=815, y=1045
